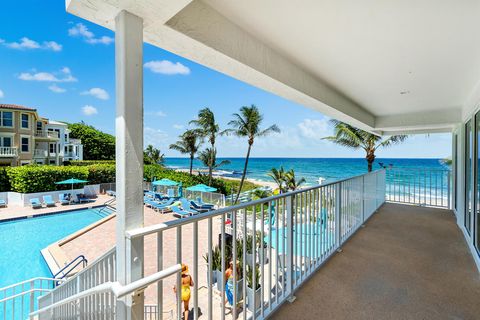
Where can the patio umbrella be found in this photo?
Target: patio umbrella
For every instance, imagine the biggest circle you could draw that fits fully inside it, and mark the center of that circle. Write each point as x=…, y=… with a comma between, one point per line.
x=71, y=181
x=165, y=182
x=201, y=188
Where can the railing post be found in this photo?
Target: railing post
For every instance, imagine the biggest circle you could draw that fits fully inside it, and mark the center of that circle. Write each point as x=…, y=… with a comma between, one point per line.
x=338, y=214
x=289, y=249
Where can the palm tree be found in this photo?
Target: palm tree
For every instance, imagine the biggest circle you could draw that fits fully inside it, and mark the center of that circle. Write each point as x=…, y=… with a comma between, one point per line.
x=209, y=158
x=351, y=137
x=152, y=155
x=247, y=124
x=291, y=183
x=188, y=144
x=278, y=175
x=208, y=129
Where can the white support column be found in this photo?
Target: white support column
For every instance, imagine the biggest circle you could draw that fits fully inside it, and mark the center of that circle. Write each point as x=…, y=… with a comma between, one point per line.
x=129, y=156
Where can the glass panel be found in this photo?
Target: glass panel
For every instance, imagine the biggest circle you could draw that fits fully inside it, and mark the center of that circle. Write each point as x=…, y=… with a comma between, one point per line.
x=39, y=125
x=25, y=121
x=7, y=142
x=7, y=119
x=454, y=169
x=25, y=144
x=468, y=174
x=476, y=225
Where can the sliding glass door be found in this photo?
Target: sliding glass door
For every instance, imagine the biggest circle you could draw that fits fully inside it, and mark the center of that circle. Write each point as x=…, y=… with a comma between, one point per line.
x=476, y=218
x=468, y=175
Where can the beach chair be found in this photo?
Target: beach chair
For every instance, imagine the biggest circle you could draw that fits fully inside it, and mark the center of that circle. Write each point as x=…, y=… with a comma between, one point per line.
x=35, y=203
x=111, y=193
x=200, y=202
x=81, y=198
x=48, y=200
x=64, y=198
x=179, y=212
x=186, y=206
x=3, y=204
x=162, y=206
x=200, y=207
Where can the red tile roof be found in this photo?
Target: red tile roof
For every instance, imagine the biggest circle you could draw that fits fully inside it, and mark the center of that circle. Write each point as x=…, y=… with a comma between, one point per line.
x=16, y=107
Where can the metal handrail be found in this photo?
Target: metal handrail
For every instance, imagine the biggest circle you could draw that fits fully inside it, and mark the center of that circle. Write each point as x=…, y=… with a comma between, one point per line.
x=27, y=281
x=144, y=231
x=80, y=259
x=116, y=288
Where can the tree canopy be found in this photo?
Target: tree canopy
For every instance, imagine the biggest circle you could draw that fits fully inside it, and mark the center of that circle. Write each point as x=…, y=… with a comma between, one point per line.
x=97, y=145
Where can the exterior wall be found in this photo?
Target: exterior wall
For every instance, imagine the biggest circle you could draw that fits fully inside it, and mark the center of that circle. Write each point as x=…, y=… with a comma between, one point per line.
x=17, y=132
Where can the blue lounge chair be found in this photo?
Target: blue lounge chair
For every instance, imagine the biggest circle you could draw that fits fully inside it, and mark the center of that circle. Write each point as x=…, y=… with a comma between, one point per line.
x=162, y=206
x=200, y=202
x=111, y=193
x=35, y=203
x=3, y=204
x=48, y=200
x=180, y=213
x=199, y=208
x=187, y=206
x=82, y=198
x=170, y=193
x=64, y=198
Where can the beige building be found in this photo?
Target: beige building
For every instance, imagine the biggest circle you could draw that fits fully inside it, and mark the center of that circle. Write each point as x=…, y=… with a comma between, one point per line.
x=27, y=138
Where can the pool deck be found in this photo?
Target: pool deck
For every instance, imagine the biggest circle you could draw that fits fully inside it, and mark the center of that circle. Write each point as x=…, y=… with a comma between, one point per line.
x=17, y=212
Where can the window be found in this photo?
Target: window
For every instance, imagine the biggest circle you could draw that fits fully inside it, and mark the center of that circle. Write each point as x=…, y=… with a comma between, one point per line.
x=66, y=137
x=52, y=147
x=6, y=119
x=454, y=171
x=25, y=121
x=39, y=125
x=5, y=141
x=25, y=144
x=468, y=175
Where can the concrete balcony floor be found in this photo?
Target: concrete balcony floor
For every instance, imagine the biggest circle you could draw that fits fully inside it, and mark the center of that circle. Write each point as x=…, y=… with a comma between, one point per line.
x=407, y=263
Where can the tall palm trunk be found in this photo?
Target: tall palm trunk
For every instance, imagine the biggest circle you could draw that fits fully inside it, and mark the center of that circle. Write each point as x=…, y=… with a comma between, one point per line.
x=244, y=172
x=191, y=163
x=370, y=159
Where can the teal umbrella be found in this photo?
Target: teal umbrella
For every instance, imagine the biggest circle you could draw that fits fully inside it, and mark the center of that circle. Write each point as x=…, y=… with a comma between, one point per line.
x=201, y=188
x=71, y=181
x=165, y=182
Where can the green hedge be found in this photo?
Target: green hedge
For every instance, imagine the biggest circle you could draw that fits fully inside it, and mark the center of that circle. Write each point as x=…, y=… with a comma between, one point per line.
x=38, y=178
x=34, y=178
x=88, y=162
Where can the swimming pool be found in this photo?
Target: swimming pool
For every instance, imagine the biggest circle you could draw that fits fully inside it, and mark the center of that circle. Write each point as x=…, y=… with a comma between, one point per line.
x=21, y=241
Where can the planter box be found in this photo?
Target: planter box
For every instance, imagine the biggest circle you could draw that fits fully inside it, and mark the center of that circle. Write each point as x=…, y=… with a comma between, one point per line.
x=214, y=276
x=219, y=277
x=258, y=298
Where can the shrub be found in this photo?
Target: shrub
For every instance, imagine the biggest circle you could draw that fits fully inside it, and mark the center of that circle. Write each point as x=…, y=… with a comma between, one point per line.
x=101, y=173
x=34, y=178
x=89, y=162
x=4, y=182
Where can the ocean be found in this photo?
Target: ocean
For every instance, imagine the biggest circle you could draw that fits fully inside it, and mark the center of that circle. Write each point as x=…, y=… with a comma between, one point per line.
x=311, y=169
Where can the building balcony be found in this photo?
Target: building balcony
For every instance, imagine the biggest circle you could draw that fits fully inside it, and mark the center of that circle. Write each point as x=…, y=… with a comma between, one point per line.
x=8, y=152
x=45, y=135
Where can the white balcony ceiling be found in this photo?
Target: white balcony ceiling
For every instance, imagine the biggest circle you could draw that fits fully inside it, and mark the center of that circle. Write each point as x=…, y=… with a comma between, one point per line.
x=383, y=65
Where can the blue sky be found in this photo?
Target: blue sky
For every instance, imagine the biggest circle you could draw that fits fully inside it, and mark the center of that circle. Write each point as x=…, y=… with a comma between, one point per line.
x=64, y=67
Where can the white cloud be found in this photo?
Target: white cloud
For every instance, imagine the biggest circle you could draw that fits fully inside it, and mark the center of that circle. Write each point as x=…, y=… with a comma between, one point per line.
x=178, y=126
x=314, y=128
x=89, y=110
x=80, y=30
x=66, y=76
x=98, y=93
x=167, y=67
x=56, y=88
x=29, y=44
x=156, y=113
x=1, y=94
x=155, y=137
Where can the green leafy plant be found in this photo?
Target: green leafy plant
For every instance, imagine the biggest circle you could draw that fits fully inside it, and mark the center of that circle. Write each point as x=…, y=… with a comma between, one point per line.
x=97, y=145
x=250, y=276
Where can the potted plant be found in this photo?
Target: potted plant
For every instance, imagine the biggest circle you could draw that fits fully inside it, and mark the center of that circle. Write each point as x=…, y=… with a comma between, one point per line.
x=216, y=265
x=250, y=254
x=251, y=292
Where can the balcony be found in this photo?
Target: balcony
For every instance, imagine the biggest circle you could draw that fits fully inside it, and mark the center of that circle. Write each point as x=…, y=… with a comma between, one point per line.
x=8, y=152
x=408, y=262
x=45, y=135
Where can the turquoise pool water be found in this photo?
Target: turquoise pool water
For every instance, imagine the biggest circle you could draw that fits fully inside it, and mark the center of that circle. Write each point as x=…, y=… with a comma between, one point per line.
x=22, y=240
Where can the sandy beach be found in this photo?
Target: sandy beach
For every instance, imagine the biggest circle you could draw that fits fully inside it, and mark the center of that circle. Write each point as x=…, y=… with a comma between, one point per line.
x=272, y=185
